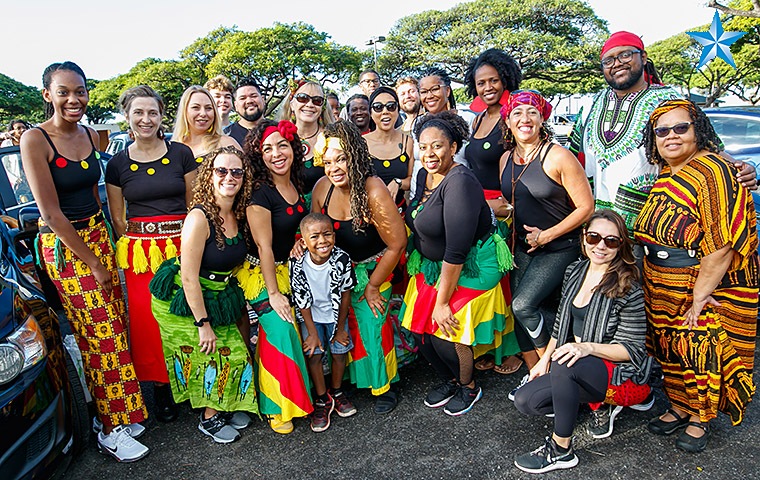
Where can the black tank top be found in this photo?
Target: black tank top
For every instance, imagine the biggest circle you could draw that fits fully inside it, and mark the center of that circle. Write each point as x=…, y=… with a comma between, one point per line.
x=74, y=181
x=359, y=246
x=215, y=259
x=397, y=167
x=539, y=201
x=483, y=155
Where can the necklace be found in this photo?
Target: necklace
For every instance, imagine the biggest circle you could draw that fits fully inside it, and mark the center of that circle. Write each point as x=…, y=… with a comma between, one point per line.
x=530, y=157
x=312, y=135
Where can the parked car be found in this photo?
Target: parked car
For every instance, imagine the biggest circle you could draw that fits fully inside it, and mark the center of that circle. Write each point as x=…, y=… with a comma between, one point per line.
x=120, y=140
x=562, y=126
x=739, y=129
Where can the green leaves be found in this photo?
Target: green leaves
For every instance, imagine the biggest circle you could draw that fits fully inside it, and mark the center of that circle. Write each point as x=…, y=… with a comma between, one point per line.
x=19, y=101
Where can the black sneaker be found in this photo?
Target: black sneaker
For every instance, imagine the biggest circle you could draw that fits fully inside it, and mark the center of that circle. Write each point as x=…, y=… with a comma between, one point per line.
x=463, y=401
x=320, y=418
x=546, y=458
x=645, y=405
x=440, y=395
x=523, y=381
x=602, y=420
x=216, y=428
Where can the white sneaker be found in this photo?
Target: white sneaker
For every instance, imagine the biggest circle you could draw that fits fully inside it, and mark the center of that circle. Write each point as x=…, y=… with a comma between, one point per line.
x=645, y=405
x=135, y=429
x=121, y=446
x=522, y=383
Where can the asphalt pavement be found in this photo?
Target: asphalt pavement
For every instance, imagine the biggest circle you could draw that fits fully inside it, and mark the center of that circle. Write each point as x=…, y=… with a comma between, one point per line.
x=417, y=442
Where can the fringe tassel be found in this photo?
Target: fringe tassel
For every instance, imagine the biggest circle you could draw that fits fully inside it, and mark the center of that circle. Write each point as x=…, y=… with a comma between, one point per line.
x=122, y=253
x=139, y=260
x=503, y=256
x=283, y=279
x=171, y=249
x=250, y=280
x=362, y=277
x=179, y=306
x=162, y=284
x=470, y=269
x=414, y=263
x=431, y=271
x=156, y=256
x=58, y=256
x=109, y=229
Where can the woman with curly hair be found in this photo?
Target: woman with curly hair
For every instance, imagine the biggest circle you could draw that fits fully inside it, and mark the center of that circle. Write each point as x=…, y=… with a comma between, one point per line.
x=274, y=212
x=454, y=303
x=700, y=275
x=307, y=108
x=149, y=186
x=551, y=197
x=198, y=124
x=368, y=227
x=198, y=303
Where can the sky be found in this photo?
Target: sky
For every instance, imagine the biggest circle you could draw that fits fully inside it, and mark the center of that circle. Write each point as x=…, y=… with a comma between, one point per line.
x=107, y=38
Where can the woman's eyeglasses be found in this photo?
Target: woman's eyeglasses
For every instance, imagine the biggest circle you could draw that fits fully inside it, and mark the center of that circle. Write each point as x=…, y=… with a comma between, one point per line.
x=678, y=129
x=377, y=107
x=592, y=238
x=305, y=97
x=222, y=172
x=434, y=90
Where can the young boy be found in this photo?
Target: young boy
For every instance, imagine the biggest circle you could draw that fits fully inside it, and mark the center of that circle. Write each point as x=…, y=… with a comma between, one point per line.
x=321, y=282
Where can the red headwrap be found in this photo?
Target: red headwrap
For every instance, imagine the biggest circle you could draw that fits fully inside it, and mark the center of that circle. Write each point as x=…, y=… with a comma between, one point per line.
x=286, y=129
x=527, y=97
x=622, y=39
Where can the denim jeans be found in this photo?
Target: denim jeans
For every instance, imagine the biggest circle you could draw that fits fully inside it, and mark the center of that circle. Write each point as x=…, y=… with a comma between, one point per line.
x=536, y=277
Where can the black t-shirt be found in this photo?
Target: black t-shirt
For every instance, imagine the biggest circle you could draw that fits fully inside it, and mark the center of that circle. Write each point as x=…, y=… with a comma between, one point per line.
x=453, y=218
x=286, y=218
x=74, y=181
x=311, y=175
x=238, y=132
x=216, y=259
x=153, y=188
x=483, y=155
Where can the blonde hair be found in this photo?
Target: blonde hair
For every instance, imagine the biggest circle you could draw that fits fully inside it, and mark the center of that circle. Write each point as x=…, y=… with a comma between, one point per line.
x=286, y=113
x=220, y=82
x=181, y=131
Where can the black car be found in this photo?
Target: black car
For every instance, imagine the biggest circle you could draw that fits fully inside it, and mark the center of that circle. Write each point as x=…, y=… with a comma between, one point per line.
x=44, y=416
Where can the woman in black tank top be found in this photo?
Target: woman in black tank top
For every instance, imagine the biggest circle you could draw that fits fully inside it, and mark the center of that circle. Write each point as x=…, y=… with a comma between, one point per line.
x=361, y=208
x=63, y=169
x=551, y=197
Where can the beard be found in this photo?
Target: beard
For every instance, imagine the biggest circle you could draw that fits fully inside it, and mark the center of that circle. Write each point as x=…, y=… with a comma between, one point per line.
x=634, y=75
x=252, y=117
x=413, y=110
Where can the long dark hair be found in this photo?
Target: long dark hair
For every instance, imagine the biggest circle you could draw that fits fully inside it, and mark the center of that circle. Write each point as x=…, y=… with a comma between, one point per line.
x=47, y=78
x=255, y=158
x=622, y=272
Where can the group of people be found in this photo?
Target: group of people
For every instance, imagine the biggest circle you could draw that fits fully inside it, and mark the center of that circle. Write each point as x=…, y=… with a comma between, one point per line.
x=260, y=256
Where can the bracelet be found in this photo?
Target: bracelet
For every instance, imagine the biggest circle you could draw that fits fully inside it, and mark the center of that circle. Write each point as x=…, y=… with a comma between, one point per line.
x=199, y=323
x=538, y=234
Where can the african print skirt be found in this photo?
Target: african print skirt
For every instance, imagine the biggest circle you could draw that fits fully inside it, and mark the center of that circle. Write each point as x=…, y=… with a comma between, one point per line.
x=221, y=380
x=485, y=321
x=283, y=380
x=139, y=255
x=372, y=362
x=98, y=321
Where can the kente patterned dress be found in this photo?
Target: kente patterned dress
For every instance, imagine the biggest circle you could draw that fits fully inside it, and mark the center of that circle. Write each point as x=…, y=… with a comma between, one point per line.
x=156, y=207
x=456, y=213
x=372, y=363
x=702, y=208
x=282, y=376
x=222, y=380
x=97, y=319
x=607, y=143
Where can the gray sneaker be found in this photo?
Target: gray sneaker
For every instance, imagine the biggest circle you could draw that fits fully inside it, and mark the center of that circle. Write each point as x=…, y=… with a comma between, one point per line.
x=121, y=446
x=216, y=428
x=236, y=420
x=603, y=421
x=546, y=458
x=135, y=429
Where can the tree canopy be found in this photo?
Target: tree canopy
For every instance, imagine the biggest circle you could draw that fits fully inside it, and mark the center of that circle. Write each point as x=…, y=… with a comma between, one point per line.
x=19, y=101
x=556, y=42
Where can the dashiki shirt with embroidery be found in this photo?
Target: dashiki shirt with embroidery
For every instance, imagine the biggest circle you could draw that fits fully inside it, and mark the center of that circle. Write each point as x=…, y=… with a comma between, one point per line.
x=620, y=174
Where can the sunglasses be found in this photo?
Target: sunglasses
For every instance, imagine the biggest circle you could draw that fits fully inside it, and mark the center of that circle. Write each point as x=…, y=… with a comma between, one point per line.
x=305, y=97
x=222, y=172
x=624, y=57
x=592, y=238
x=678, y=129
x=377, y=107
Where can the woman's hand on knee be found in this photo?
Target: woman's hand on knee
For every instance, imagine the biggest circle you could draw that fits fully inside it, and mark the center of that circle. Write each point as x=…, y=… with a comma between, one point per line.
x=571, y=353
x=540, y=368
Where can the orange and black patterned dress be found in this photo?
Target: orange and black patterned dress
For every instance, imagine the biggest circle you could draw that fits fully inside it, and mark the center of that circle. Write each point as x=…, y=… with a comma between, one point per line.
x=702, y=208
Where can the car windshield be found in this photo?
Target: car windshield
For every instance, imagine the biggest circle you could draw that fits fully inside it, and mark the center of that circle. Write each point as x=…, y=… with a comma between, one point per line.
x=16, y=177
x=737, y=132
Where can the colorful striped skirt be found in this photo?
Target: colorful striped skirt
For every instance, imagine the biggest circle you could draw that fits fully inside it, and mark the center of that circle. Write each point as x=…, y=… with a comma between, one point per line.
x=139, y=255
x=97, y=319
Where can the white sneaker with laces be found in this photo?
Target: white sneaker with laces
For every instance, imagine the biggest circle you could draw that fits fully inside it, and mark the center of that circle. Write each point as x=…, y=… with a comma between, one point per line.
x=121, y=446
x=135, y=429
x=522, y=383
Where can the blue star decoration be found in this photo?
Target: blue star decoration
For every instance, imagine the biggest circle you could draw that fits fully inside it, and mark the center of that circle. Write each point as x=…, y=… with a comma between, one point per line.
x=715, y=42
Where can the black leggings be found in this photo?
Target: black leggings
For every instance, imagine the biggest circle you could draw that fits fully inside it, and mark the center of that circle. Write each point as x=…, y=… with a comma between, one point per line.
x=562, y=390
x=449, y=359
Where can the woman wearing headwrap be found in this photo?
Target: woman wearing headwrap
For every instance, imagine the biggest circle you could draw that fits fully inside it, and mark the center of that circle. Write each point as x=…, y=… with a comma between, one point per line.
x=551, y=197
x=700, y=275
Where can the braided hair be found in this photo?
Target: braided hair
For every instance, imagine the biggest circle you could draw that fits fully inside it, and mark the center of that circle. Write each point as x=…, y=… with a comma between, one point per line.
x=445, y=79
x=359, y=168
x=47, y=79
x=454, y=127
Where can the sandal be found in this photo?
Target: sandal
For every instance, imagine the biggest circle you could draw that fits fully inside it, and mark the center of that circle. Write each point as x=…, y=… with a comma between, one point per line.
x=693, y=444
x=485, y=364
x=386, y=402
x=506, y=370
x=661, y=427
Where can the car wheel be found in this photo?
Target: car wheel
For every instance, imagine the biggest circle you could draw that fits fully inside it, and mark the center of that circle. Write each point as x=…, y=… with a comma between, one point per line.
x=80, y=415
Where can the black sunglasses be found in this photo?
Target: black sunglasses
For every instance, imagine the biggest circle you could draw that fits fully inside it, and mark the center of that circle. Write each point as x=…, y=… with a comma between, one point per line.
x=592, y=238
x=305, y=97
x=678, y=129
x=377, y=107
x=222, y=172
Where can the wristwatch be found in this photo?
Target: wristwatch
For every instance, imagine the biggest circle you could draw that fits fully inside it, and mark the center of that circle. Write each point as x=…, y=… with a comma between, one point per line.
x=398, y=181
x=199, y=323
